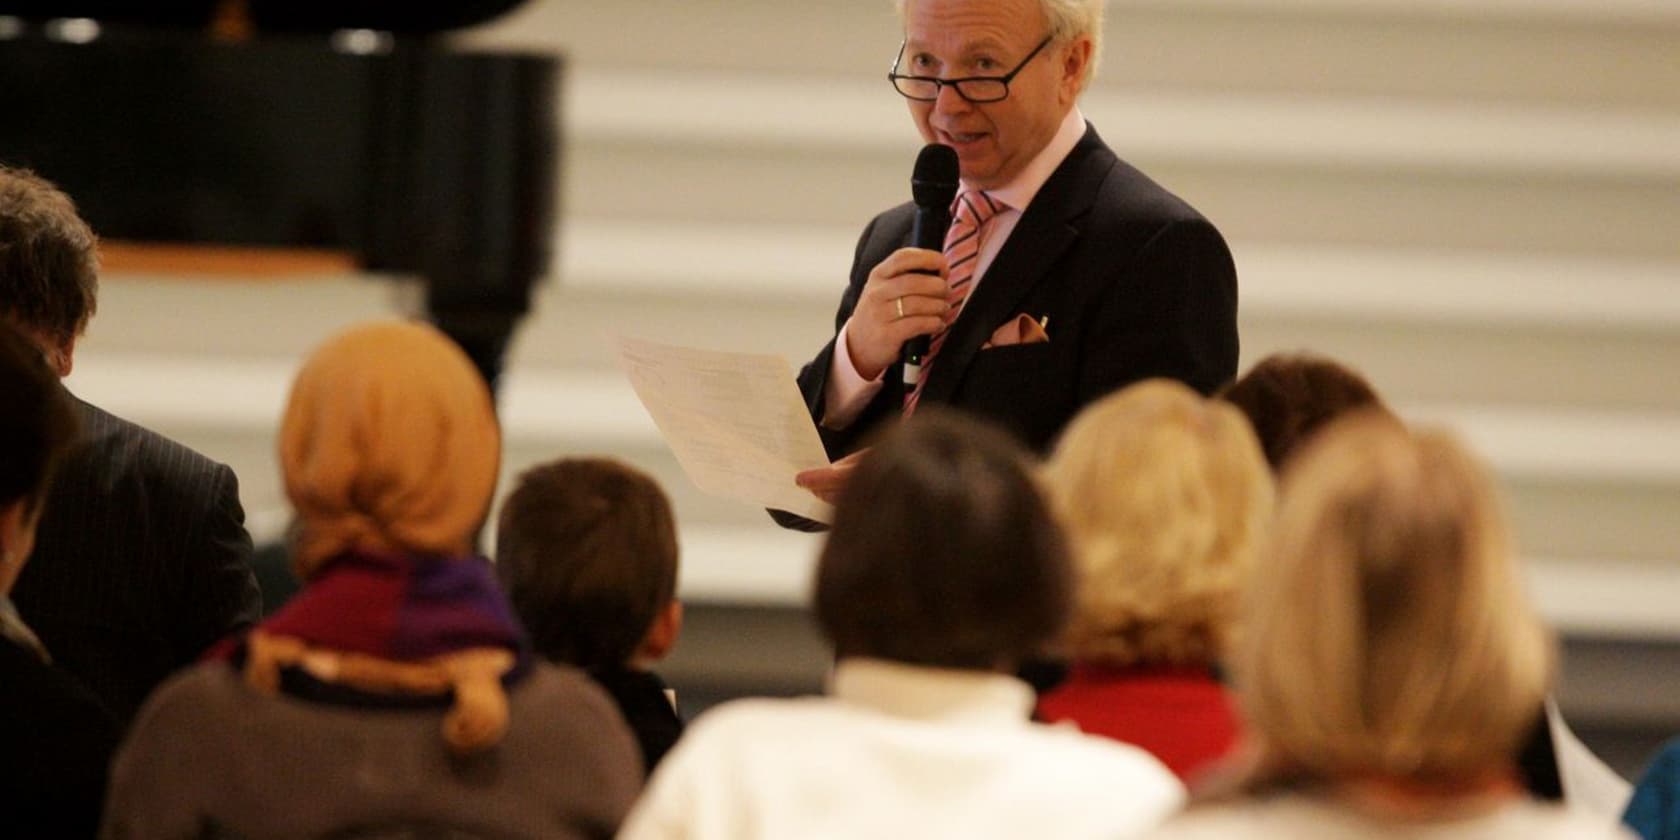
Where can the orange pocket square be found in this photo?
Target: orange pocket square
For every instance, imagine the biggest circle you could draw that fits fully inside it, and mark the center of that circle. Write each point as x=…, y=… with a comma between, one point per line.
x=1022, y=330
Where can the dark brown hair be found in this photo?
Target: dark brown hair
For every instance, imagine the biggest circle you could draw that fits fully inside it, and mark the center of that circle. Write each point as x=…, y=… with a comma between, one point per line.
x=37, y=424
x=49, y=259
x=943, y=552
x=587, y=549
x=1290, y=396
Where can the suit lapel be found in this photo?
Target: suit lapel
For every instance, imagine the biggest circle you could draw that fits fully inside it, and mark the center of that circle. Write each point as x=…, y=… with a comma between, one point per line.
x=1044, y=232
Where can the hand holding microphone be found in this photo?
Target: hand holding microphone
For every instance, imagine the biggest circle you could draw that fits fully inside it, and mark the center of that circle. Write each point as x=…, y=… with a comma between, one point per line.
x=904, y=300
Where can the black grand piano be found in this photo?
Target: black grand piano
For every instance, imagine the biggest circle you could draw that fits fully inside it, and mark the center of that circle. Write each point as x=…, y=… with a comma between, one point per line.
x=300, y=131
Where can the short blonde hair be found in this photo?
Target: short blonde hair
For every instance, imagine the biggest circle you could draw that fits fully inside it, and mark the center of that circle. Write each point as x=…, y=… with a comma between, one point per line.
x=1165, y=496
x=1068, y=20
x=1390, y=634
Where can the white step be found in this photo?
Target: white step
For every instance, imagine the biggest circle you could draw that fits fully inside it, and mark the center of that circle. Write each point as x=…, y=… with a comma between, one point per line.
x=808, y=263
x=1641, y=12
x=566, y=408
x=1563, y=51
x=1590, y=483
x=1589, y=211
x=844, y=116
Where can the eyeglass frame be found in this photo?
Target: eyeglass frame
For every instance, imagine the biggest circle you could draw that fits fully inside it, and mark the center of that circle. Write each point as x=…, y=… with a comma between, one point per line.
x=939, y=84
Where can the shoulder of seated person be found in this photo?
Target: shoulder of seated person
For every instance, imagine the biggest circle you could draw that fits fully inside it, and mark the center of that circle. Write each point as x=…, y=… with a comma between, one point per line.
x=763, y=717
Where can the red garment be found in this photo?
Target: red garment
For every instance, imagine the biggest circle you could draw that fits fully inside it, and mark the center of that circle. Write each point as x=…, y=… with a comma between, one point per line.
x=396, y=606
x=1183, y=716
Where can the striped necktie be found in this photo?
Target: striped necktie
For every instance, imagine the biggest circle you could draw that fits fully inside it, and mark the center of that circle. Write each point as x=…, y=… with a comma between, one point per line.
x=972, y=214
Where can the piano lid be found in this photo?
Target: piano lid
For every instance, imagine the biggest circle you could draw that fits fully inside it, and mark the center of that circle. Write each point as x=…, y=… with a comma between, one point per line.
x=417, y=159
x=273, y=16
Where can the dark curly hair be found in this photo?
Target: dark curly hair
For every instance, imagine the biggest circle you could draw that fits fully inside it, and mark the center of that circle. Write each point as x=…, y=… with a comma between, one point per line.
x=944, y=552
x=1290, y=396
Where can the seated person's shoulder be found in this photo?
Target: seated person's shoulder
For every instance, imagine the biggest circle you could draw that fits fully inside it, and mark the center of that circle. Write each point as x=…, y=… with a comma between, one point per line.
x=196, y=694
x=1551, y=821
x=1066, y=751
x=38, y=699
x=122, y=447
x=58, y=740
x=556, y=693
x=744, y=726
x=1234, y=817
x=1283, y=815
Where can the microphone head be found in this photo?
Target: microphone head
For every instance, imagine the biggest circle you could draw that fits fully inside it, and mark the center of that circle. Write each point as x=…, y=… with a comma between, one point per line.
x=934, y=181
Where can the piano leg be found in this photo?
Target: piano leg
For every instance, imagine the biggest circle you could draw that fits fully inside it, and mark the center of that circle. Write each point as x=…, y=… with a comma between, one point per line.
x=484, y=334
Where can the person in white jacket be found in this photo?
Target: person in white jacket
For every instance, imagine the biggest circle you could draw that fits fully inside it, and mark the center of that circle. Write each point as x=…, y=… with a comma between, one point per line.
x=943, y=572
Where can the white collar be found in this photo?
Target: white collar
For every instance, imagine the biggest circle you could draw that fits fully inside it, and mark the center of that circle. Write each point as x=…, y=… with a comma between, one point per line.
x=1021, y=189
x=923, y=693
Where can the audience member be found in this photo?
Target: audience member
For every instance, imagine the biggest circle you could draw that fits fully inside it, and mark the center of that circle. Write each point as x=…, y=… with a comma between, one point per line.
x=143, y=561
x=943, y=571
x=1654, y=809
x=396, y=691
x=57, y=738
x=587, y=550
x=1391, y=662
x=1166, y=498
x=1289, y=396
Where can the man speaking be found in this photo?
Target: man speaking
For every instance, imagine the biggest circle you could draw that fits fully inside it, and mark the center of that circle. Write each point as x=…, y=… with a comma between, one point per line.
x=1066, y=273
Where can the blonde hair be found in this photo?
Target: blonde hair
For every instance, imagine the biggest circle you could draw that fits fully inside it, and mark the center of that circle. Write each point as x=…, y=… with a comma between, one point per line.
x=1389, y=634
x=1165, y=496
x=1068, y=20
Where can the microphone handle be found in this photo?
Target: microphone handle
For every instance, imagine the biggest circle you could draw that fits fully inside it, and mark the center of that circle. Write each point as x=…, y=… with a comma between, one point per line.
x=927, y=231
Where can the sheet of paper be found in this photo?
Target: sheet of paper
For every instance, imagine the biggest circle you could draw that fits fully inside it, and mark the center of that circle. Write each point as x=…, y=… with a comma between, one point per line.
x=1589, y=785
x=736, y=421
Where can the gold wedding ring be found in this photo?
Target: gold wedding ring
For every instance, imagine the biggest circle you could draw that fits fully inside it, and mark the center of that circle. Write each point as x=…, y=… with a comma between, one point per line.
x=899, y=302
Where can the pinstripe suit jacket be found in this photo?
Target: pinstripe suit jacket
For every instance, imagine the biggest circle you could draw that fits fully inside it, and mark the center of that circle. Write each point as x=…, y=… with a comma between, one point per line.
x=141, y=560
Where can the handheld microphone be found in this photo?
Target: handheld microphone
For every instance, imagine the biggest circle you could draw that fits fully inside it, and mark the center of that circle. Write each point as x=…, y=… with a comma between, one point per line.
x=933, y=185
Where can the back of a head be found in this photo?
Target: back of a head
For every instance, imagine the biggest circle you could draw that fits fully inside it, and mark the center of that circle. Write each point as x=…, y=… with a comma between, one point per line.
x=389, y=442
x=1290, y=397
x=943, y=552
x=1389, y=634
x=49, y=260
x=37, y=423
x=587, y=550
x=1166, y=497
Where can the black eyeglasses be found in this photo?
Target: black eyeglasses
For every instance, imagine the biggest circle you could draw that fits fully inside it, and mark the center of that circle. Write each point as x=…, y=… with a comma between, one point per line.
x=971, y=88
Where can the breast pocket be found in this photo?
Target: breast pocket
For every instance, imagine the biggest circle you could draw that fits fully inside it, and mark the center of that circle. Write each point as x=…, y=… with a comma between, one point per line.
x=1022, y=387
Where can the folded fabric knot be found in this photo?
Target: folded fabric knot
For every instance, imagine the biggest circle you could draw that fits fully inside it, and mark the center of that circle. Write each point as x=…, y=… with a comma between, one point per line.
x=326, y=536
x=477, y=719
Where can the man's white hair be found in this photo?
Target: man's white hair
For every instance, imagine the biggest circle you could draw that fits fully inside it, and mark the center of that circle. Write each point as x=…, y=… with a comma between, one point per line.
x=1068, y=20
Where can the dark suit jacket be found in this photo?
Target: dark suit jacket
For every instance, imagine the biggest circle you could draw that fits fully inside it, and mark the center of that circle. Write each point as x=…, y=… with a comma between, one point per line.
x=141, y=561
x=641, y=699
x=1136, y=284
x=57, y=740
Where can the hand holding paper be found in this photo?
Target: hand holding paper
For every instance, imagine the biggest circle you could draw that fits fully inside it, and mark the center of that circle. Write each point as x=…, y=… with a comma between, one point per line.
x=827, y=482
x=736, y=422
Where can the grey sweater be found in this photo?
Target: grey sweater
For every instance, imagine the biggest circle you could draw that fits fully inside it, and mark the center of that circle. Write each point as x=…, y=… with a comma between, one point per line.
x=210, y=756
